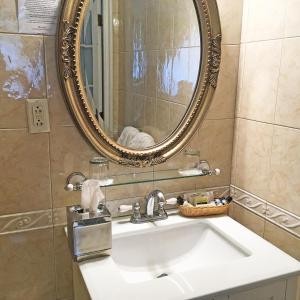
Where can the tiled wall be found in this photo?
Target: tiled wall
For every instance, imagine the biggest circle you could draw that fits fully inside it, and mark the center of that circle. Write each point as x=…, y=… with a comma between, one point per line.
x=266, y=160
x=158, y=57
x=35, y=260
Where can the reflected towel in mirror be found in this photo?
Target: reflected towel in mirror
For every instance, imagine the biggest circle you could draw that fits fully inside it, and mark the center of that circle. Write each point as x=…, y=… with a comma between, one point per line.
x=132, y=138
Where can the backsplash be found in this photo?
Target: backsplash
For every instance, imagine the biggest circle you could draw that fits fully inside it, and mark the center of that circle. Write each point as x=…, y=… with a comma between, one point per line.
x=35, y=166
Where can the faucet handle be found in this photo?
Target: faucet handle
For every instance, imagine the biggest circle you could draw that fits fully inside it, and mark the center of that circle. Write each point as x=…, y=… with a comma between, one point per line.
x=136, y=211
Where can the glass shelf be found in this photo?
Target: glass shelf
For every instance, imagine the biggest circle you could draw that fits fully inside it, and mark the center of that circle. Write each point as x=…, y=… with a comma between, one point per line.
x=144, y=177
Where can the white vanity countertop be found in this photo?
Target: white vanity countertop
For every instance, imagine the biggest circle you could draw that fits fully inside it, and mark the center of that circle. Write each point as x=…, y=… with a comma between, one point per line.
x=266, y=263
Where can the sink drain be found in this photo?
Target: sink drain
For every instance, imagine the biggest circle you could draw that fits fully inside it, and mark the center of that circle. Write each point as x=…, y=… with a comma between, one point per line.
x=162, y=275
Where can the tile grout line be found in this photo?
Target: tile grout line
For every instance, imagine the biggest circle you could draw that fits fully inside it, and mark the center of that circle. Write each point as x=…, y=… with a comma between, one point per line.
x=268, y=123
x=271, y=39
x=50, y=173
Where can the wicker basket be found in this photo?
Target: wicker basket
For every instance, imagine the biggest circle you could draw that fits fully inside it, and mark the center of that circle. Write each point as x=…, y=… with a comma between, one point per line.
x=188, y=211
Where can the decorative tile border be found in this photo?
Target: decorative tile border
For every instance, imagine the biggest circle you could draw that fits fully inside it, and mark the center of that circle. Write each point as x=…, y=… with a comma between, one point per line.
x=57, y=217
x=283, y=219
x=25, y=221
x=249, y=201
x=270, y=212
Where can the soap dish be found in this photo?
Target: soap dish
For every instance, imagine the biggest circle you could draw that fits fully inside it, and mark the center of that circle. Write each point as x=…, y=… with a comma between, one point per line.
x=188, y=211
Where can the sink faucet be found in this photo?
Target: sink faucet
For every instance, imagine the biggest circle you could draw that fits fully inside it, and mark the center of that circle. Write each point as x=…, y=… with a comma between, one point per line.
x=151, y=214
x=150, y=201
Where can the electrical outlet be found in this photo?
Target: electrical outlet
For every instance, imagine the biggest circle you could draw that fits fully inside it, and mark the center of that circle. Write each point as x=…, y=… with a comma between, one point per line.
x=38, y=115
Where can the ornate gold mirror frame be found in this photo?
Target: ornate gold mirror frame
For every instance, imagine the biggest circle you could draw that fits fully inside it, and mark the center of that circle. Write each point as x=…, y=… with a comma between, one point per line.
x=70, y=76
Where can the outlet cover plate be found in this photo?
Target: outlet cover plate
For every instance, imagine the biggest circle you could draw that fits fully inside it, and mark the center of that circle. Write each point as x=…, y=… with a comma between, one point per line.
x=38, y=115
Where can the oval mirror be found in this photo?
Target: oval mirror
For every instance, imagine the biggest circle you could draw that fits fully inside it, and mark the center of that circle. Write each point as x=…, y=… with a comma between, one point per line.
x=139, y=74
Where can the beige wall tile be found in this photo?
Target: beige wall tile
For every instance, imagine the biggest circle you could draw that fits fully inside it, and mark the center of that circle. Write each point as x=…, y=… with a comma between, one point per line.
x=253, y=156
x=8, y=16
x=285, y=169
x=231, y=20
x=223, y=103
x=282, y=239
x=261, y=21
x=69, y=152
x=13, y=114
x=241, y=70
x=249, y=219
x=59, y=114
x=22, y=76
x=25, y=171
x=234, y=153
x=63, y=264
x=215, y=140
x=257, y=97
x=292, y=20
x=288, y=106
x=27, y=265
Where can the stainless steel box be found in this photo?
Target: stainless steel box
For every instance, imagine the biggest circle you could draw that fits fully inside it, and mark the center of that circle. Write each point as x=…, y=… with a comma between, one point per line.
x=89, y=234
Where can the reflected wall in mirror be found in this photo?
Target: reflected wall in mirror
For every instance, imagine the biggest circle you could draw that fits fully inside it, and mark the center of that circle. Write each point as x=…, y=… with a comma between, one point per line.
x=152, y=51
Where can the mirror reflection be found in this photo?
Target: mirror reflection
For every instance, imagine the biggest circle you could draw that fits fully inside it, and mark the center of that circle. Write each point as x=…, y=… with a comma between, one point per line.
x=140, y=61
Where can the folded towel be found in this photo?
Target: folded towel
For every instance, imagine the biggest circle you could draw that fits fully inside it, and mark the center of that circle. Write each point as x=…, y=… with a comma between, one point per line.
x=91, y=195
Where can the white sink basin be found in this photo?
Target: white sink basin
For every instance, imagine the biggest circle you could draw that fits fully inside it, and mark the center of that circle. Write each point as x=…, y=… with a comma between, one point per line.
x=163, y=251
x=202, y=258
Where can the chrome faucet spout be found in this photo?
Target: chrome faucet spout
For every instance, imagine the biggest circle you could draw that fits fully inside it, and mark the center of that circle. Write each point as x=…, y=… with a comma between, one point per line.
x=150, y=206
x=150, y=202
